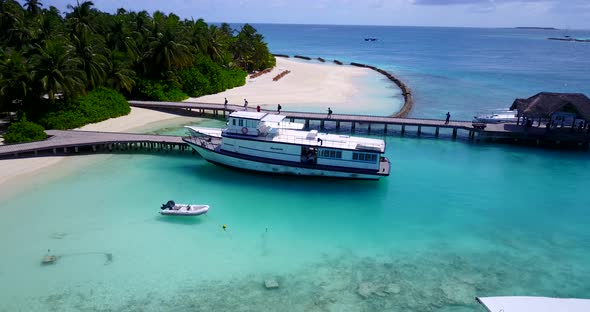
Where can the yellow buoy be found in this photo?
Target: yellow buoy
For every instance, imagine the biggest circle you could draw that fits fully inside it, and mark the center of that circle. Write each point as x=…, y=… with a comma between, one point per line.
x=224, y=227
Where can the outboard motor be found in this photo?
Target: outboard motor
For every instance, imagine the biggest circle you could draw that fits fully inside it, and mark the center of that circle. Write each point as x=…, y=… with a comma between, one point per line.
x=169, y=205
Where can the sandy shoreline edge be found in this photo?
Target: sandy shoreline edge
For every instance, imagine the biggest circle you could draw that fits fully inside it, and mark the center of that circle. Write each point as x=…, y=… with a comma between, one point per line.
x=307, y=82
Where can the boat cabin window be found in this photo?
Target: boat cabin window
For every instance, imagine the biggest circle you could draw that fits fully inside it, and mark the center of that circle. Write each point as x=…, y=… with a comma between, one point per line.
x=364, y=157
x=233, y=121
x=241, y=122
x=331, y=154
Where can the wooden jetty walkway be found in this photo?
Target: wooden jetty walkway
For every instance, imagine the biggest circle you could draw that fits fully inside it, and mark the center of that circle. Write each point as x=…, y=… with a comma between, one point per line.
x=505, y=132
x=337, y=119
x=65, y=142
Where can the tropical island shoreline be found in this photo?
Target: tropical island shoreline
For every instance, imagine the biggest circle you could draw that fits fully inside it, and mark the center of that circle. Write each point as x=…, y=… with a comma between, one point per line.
x=307, y=82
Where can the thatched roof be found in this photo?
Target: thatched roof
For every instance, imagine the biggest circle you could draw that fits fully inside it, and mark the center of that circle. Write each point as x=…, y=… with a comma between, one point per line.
x=545, y=104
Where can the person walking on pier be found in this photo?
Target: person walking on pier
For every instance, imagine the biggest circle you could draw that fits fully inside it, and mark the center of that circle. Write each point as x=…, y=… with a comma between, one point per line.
x=329, y=112
x=258, y=108
x=225, y=104
x=279, y=107
x=245, y=104
x=448, y=118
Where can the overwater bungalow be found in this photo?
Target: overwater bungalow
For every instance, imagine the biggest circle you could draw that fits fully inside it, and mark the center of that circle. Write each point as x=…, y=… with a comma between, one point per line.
x=554, y=110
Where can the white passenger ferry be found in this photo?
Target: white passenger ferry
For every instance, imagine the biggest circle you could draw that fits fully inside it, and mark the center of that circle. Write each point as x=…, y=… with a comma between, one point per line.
x=265, y=142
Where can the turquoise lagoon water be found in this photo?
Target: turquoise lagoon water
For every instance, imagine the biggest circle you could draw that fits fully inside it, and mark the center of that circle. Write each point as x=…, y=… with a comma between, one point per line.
x=451, y=222
x=454, y=220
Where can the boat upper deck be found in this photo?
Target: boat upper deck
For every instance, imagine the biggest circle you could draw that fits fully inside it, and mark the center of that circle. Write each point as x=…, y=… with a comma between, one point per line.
x=304, y=138
x=318, y=139
x=272, y=128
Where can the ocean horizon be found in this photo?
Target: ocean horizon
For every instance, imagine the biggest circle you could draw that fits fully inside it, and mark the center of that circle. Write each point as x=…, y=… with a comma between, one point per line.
x=454, y=220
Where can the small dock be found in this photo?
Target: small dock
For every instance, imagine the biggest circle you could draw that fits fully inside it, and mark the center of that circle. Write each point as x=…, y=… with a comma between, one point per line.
x=389, y=125
x=69, y=142
x=339, y=121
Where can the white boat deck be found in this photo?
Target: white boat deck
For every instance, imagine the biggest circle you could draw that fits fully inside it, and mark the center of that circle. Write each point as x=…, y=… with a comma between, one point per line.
x=289, y=133
x=310, y=138
x=534, y=304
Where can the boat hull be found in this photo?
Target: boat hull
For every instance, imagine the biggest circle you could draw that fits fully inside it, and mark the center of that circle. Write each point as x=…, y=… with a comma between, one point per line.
x=231, y=161
x=181, y=210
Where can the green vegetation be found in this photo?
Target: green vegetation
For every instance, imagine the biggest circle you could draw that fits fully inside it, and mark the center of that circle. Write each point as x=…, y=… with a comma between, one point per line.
x=98, y=105
x=56, y=68
x=24, y=131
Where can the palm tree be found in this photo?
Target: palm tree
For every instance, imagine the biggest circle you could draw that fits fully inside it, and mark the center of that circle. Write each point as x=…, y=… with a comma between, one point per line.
x=167, y=50
x=89, y=51
x=55, y=68
x=250, y=51
x=120, y=77
x=15, y=78
x=33, y=6
x=16, y=31
x=80, y=18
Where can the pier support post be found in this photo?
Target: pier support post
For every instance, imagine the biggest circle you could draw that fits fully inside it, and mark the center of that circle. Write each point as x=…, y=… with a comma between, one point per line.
x=306, y=124
x=403, y=129
x=54, y=151
x=436, y=131
x=75, y=149
x=94, y=148
x=65, y=149
x=338, y=126
x=454, y=133
x=35, y=152
x=419, y=130
x=369, y=129
x=322, y=124
x=353, y=127
x=385, y=128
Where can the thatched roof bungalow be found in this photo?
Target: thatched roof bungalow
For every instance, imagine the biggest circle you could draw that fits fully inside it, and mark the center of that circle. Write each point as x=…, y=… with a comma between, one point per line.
x=548, y=105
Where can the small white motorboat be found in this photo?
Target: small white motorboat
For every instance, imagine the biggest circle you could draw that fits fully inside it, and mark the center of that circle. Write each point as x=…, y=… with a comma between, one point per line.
x=173, y=209
x=498, y=116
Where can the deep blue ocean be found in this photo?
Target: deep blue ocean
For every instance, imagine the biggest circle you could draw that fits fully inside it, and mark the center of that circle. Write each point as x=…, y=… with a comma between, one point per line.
x=454, y=220
x=460, y=70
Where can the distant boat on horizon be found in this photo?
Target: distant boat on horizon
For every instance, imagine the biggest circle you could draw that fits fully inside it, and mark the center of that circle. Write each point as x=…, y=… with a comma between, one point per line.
x=370, y=39
x=536, y=28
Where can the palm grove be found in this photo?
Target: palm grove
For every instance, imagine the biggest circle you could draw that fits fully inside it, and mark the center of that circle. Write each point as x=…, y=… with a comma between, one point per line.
x=65, y=70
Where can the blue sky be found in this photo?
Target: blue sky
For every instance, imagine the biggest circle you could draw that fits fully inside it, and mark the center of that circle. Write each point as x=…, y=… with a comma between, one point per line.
x=568, y=14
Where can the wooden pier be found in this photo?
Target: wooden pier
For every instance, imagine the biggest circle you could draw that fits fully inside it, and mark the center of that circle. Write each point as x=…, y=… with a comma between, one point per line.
x=504, y=132
x=350, y=122
x=338, y=120
x=68, y=142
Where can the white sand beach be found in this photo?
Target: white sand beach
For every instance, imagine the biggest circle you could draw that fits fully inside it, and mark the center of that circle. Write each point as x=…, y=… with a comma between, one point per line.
x=27, y=167
x=308, y=82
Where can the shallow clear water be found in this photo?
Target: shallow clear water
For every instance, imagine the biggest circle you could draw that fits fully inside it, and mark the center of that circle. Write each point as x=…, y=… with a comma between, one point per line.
x=452, y=221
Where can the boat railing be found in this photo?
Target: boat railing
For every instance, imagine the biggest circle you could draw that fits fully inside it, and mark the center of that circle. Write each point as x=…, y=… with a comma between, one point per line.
x=322, y=142
x=200, y=140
